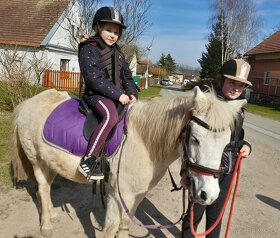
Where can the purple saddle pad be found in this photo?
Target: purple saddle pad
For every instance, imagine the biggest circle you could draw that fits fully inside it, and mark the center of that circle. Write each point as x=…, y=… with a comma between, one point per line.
x=64, y=129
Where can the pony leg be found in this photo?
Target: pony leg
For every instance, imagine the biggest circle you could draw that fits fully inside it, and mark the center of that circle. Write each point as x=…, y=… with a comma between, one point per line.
x=45, y=178
x=124, y=225
x=112, y=219
x=132, y=203
x=53, y=214
x=117, y=221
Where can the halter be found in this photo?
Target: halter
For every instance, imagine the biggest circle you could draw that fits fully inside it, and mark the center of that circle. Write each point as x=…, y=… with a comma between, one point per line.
x=187, y=164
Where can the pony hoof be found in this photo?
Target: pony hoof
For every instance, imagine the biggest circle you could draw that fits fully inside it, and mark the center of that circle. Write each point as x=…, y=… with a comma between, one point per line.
x=47, y=232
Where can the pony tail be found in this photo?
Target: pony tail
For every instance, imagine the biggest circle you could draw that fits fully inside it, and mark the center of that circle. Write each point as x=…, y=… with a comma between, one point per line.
x=21, y=167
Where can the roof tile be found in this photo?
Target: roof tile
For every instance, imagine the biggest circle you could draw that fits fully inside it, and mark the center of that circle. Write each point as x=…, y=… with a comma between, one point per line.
x=27, y=22
x=269, y=45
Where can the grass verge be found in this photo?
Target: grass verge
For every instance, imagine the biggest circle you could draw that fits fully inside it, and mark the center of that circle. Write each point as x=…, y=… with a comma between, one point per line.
x=150, y=92
x=5, y=140
x=263, y=111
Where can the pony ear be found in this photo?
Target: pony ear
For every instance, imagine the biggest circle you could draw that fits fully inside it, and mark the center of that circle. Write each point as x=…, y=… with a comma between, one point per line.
x=199, y=101
x=237, y=104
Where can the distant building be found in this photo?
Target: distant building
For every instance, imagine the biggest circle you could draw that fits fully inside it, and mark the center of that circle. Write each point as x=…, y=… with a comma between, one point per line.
x=176, y=78
x=36, y=26
x=265, y=62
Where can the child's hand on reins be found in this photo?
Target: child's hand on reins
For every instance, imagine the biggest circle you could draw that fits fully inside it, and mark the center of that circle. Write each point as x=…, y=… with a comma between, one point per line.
x=132, y=98
x=124, y=99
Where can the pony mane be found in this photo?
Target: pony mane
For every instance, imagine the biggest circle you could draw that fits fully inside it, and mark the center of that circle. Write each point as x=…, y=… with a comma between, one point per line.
x=160, y=121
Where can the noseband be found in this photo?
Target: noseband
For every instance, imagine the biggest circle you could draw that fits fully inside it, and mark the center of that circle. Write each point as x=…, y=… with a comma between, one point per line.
x=187, y=164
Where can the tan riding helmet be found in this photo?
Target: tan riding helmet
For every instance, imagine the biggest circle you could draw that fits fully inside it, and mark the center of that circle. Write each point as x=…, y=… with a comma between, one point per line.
x=236, y=69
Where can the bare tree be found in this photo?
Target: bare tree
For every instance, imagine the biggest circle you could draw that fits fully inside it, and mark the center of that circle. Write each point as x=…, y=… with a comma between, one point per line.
x=19, y=72
x=274, y=29
x=79, y=20
x=133, y=49
x=242, y=25
x=135, y=18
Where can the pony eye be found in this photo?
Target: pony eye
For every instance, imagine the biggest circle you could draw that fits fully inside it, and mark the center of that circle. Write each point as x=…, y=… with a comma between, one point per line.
x=195, y=140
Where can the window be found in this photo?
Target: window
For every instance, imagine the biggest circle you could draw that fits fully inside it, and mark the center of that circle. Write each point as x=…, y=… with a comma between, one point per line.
x=64, y=65
x=266, y=78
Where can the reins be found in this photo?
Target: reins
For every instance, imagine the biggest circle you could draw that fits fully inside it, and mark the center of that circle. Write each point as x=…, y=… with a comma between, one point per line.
x=152, y=227
x=237, y=167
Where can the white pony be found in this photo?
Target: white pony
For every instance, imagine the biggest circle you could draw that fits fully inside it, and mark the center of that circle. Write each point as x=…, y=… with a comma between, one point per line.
x=152, y=144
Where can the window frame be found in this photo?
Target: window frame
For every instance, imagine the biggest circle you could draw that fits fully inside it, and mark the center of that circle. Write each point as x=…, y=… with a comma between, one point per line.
x=266, y=78
x=64, y=64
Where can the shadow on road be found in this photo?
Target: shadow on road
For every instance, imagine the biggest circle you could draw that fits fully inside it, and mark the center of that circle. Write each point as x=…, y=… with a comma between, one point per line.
x=146, y=210
x=70, y=195
x=269, y=201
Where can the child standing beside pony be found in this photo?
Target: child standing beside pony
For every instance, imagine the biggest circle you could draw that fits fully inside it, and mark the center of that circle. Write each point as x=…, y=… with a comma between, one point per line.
x=108, y=80
x=233, y=81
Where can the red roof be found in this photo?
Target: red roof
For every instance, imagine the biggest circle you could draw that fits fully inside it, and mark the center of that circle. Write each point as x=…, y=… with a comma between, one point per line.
x=269, y=45
x=27, y=22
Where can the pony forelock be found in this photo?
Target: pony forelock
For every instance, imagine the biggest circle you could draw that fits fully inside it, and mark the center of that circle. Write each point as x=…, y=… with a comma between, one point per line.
x=218, y=114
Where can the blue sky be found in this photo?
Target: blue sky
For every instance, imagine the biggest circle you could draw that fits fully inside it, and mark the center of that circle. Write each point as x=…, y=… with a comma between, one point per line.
x=180, y=27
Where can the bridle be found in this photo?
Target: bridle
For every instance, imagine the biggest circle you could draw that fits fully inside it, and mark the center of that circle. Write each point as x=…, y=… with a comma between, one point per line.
x=189, y=166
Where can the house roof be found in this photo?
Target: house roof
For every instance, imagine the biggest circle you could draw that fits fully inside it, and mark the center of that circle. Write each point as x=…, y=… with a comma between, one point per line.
x=269, y=45
x=28, y=22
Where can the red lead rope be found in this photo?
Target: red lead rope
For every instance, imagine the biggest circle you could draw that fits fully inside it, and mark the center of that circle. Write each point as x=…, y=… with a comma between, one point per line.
x=238, y=165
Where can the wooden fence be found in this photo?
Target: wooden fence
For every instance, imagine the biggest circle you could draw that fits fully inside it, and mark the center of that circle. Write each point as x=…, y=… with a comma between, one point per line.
x=142, y=82
x=61, y=80
x=68, y=80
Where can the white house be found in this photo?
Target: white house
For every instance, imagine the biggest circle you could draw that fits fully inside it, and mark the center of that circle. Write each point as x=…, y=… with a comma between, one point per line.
x=40, y=26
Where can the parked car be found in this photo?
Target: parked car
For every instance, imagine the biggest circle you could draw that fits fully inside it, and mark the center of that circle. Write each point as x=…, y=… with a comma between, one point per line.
x=166, y=82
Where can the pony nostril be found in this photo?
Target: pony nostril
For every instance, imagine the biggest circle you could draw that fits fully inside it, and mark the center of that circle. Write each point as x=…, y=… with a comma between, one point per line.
x=203, y=195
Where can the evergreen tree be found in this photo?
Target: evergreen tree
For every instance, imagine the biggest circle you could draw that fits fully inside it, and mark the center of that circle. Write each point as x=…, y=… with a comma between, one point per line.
x=211, y=60
x=170, y=64
x=162, y=60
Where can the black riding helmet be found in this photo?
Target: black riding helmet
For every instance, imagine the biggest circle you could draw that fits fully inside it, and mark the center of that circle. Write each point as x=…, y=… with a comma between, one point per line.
x=108, y=14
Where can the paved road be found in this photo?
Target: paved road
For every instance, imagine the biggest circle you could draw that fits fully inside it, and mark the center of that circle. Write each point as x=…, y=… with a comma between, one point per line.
x=173, y=91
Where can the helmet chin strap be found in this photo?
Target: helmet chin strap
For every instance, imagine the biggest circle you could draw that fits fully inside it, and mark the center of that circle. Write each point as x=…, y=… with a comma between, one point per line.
x=98, y=28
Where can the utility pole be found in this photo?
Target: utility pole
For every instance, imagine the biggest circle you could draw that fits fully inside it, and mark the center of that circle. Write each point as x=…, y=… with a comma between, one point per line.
x=222, y=21
x=147, y=70
x=159, y=73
